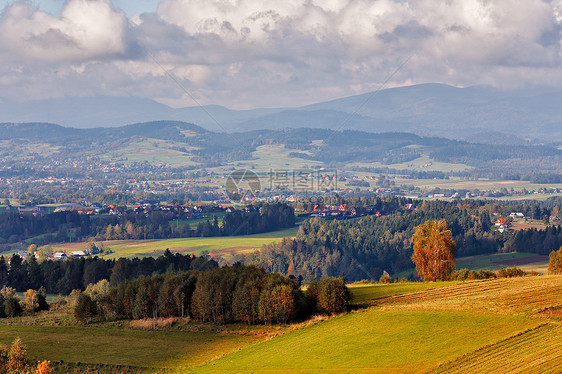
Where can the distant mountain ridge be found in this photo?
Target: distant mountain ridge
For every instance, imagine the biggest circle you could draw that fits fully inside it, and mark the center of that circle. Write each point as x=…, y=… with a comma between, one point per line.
x=426, y=109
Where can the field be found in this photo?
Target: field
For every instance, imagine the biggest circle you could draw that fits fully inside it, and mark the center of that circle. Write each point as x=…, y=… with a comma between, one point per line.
x=422, y=163
x=419, y=331
x=491, y=326
x=224, y=245
x=526, y=261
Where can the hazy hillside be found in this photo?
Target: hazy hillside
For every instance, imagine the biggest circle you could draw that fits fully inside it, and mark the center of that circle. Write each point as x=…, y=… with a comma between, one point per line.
x=151, y=141
x=427, y=109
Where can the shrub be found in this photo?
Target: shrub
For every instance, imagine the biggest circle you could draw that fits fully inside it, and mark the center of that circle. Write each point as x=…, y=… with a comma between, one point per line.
x=85, y=310
x=4, y=359
x=333, y=296
x=44, y=367
x=385, y=279
x=511, y=272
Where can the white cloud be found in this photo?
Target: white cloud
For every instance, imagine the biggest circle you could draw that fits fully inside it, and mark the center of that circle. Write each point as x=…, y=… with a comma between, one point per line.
x=247, y=53
x=86, y=30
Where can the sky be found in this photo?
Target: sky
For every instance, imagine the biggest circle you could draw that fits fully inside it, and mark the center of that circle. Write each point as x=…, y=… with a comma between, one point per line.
x=270, y=53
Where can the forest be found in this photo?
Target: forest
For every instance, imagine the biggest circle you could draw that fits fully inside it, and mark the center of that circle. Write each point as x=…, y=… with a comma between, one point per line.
x=364, y=248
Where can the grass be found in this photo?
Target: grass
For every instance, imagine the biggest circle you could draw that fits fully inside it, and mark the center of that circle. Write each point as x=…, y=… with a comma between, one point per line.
x=373, y=341
x=483, y=184
x=419, y=165
x=224, y=245
x=493, y=326
x=154, y=151
x=364, y=293
x=119, y=346
x=416, y=332
x=498, y=260
x=536, y=351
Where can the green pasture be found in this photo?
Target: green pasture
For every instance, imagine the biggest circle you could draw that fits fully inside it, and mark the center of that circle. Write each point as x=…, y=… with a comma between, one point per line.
x=270, y=157
x=121, y=346
x=154, y=151
x=422, y=163
x=363, y=293
x=373, y=341
x=498, y=260
x=221, y=245
x=455, y=183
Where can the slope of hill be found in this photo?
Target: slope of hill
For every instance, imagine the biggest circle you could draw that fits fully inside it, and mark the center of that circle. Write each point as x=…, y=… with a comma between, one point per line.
x=178, y=143
x=437, y=329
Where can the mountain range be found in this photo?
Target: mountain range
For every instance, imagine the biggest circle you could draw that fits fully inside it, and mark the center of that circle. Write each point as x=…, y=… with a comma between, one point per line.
x=426, y=109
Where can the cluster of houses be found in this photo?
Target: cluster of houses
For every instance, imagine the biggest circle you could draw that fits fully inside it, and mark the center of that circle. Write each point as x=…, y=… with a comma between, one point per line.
x=56, y=256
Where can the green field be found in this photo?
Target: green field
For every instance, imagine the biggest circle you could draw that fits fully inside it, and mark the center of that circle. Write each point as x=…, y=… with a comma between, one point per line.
x=223, y=245
x=373, y=341
x=493, y=326
x=122, y=346
x=422, y=163
x=365, y=293
x=526, y=261
x=414, y=332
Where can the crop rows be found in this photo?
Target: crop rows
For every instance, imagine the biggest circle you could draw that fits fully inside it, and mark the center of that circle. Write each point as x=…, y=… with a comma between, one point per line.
x=534, y=351
x=523, y=295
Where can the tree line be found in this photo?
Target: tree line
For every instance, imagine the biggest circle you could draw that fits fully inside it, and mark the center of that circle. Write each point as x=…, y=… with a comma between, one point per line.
x=244, y=294
x=61, y=277
x=66, y=226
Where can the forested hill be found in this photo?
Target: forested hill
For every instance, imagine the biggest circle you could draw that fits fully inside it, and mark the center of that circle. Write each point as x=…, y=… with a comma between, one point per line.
x=364, y=248
x=333, y=148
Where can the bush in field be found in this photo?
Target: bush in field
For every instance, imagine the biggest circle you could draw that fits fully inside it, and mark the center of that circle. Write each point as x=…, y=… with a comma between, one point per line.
x=329, y=295
x=85, y=310
x=555, y=263
x=12, y=307
x=465, y=274
x=511, y=272
x=17, y=361
x=385, y=279
x=44, y=367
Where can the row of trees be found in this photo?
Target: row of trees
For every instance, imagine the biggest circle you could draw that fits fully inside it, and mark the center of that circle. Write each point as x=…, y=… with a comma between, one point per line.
x=64, y=226
x=243, y=294
x=11, y=306
x=61, y=277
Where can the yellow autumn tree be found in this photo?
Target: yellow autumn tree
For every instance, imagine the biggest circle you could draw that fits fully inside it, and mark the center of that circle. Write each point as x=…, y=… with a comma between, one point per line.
x=16, y=357
x=555, y=263
x=434, y=249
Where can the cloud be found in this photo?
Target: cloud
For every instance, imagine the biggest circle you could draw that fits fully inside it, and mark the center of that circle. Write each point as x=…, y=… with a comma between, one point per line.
x=86, y=30
x=248, y=53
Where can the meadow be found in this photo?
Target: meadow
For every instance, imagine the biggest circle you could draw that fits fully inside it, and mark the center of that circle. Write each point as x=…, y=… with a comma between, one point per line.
x=417, y=332
x=492, y=326
x=224, y=245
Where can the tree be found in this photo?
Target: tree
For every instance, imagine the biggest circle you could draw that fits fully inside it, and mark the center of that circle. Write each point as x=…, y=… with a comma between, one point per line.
x=555, y=263
x=333, y=296
x=16, y=358
x=433, y=250
x=12, y=307
x=85, y=309
x=31, y=301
